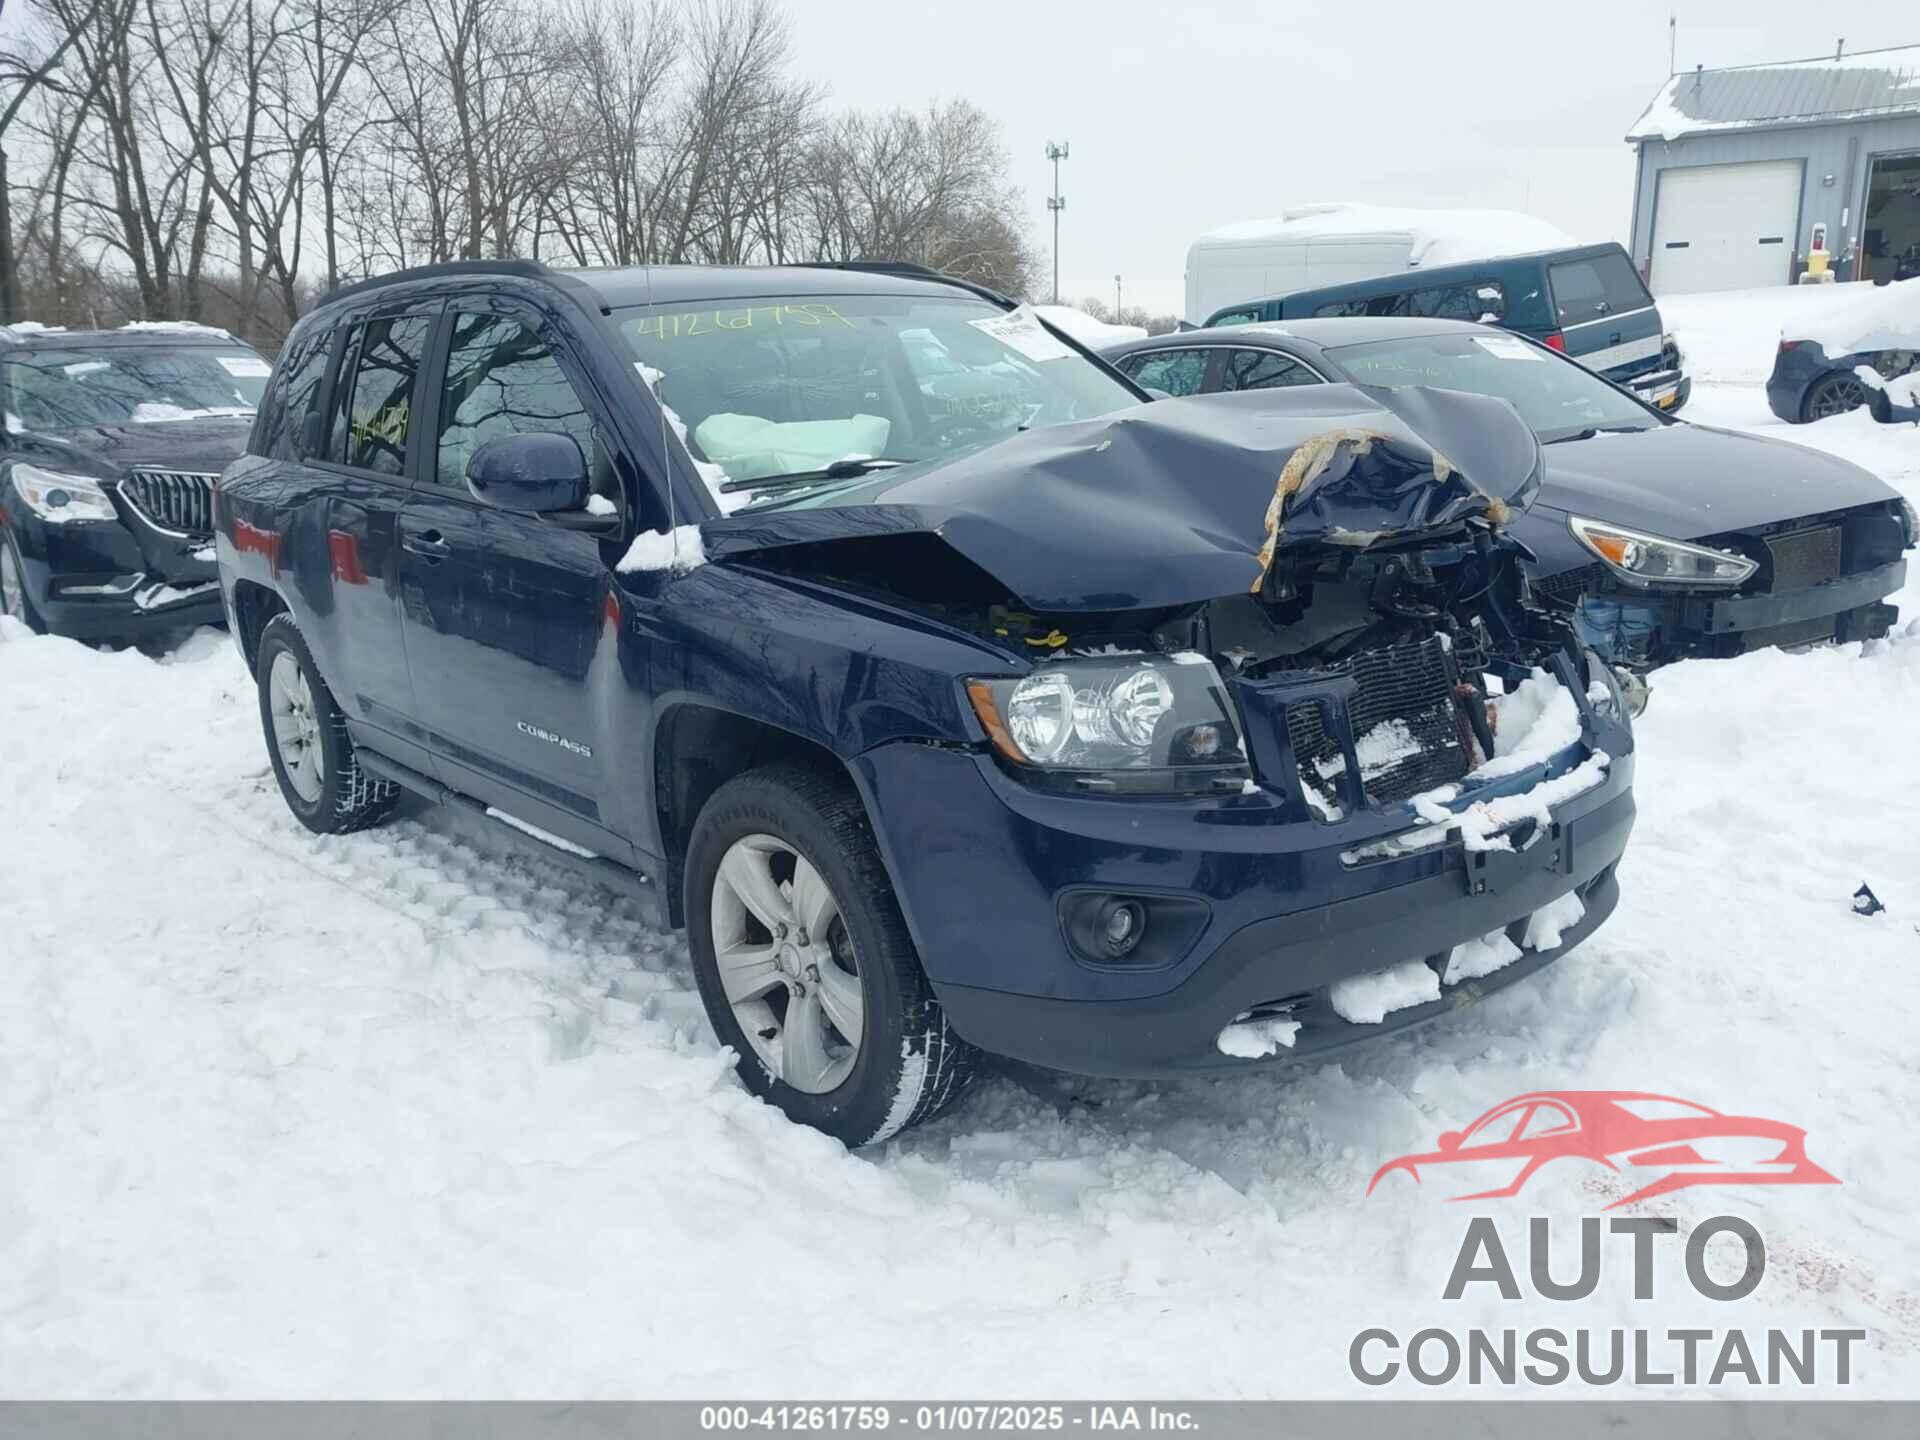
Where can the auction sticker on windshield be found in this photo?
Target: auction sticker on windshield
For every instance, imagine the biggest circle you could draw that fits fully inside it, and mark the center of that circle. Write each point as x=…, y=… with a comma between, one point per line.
x=1506, y=347
x=1021, y=330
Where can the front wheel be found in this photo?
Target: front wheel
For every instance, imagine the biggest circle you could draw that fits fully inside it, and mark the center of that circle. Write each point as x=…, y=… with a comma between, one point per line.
x=313, y=756
x=804, y=962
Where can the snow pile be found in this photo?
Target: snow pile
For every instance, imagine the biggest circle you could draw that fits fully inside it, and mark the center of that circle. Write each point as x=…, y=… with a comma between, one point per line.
x=1547, y=925
x=1368, y=999
x=175, y=327
x=1480, y=957
x=1732, y=336
x=679, y=550
x=1248, y=1039
x=1439, y=237
x=1092, y=333
x=1867, y=317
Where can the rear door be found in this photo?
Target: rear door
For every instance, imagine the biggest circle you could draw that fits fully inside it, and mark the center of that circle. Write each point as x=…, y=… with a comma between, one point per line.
x=1605, y=314
x=353, y=446
x=509, y=618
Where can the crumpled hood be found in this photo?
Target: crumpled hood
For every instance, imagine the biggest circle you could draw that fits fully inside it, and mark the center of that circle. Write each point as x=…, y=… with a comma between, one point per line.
x=1167, y=504
x=1688, y=481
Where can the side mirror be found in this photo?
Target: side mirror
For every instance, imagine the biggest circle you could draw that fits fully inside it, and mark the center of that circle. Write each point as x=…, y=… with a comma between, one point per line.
x=535, y=473
x=1449, y=1142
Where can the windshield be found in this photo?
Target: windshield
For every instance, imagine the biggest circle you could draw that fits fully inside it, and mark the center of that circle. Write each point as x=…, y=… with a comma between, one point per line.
x=1558, y=398
x=788, y=387
x=77, y=386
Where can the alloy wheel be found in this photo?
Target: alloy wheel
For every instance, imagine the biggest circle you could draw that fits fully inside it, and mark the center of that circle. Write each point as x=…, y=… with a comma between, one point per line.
x=1835, y=396
x=296, y=729
x=787, y=964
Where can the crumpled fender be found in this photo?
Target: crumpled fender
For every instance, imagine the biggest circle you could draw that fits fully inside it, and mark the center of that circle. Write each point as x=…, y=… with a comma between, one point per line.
x=1170, y=503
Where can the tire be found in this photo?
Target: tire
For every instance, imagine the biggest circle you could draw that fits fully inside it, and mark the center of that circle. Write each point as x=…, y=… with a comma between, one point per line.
x=14, y=599
x=908, y=1064
x=307, y=741
x=1834, y=395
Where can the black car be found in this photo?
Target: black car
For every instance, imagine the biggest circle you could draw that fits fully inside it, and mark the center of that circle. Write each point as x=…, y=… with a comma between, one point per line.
x=113, y=440
x=1872, y=350
x=1662, y=539
x=882, y=638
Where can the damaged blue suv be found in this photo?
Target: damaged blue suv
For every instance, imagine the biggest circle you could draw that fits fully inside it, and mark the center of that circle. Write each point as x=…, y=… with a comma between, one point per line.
x=954, y=699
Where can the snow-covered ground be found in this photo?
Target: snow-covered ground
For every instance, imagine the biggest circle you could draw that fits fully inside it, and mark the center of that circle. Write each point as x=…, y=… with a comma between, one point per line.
x=412, y=1113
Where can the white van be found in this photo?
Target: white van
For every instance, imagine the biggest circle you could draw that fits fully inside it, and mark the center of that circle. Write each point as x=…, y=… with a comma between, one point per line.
x=1314, y=245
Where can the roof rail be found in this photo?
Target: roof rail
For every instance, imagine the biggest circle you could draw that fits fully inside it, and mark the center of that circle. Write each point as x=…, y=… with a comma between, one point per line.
x=908, y=269
x=525, y=269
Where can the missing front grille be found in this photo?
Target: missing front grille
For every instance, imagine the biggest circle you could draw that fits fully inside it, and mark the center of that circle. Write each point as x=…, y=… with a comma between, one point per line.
x=1806, y=557
x=1405, y=730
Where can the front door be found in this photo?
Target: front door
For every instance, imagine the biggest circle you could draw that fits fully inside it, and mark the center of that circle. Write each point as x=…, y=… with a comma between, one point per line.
x=507, y=614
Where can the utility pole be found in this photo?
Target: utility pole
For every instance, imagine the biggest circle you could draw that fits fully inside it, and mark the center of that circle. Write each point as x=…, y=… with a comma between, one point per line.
x=1673, y=39
x=1116, y=299
x=1056, y=202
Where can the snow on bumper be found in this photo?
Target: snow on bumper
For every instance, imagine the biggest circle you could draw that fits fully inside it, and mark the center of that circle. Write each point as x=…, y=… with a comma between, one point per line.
x=1290, y=909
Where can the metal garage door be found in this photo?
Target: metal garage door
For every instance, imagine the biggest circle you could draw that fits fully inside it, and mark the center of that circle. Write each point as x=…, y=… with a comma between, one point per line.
x=1725, y=227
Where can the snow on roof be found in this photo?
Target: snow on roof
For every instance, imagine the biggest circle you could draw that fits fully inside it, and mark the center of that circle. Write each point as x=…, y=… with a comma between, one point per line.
x=1879, y=317
x=174, y=327
x=1088, y=331
x=1440, y=237
x=1786, y=92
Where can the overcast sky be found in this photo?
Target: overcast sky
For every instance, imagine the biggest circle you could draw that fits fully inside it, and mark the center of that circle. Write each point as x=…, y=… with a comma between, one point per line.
x=1184, y=116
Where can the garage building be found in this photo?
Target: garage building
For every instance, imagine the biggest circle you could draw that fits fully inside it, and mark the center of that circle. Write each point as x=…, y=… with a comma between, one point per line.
x=1737, y=166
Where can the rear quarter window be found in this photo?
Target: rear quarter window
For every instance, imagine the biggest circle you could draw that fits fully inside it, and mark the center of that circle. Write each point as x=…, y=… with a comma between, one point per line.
x=1595, y=288
x=291, y=395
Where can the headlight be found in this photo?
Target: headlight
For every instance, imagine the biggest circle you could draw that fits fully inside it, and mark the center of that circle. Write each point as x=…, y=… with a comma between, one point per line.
x=1128, y=723
x=60, y=498
x=1642, y=559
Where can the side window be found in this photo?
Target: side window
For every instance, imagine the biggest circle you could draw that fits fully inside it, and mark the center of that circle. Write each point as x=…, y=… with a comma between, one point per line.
x=1263, y=370
x=1465, y=300
x=291, y=394
x=1178, y=372
x=376, y=405
x=1234, y=317
x=502, y=379
x=1590, y=289
x=1342, y=308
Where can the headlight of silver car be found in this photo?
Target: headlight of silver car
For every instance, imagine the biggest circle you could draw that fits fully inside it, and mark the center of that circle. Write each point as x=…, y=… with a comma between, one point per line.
x=1642, y=559
x=60, y=498
x=1133, y=723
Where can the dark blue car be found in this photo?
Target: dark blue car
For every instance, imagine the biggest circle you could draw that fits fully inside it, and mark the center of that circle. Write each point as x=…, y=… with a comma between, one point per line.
x=1807, y=384
x=112, y=442
x=953, y=698
x=1660, y=539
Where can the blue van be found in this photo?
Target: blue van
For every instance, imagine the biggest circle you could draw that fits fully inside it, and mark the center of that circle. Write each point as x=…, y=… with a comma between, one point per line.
x=1589, y=303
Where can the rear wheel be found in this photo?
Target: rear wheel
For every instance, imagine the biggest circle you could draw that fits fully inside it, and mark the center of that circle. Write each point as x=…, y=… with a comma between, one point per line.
x=804, y=962
x=14, y=600
x=313, y=756
x=1835, y=395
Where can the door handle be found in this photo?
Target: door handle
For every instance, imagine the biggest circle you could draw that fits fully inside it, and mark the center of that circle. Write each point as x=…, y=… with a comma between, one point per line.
x=429, y=544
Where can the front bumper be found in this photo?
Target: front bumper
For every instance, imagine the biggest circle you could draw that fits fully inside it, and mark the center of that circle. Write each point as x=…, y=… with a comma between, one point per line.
x=107, y=580
x=980, y=863
x=1710, y=616
x=1666, y=389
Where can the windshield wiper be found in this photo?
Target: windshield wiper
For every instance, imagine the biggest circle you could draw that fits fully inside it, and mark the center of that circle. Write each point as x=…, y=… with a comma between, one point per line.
x=848, y=469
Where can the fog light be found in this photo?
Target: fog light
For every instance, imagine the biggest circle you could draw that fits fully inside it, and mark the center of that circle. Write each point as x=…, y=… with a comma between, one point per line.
x=1122, y=926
